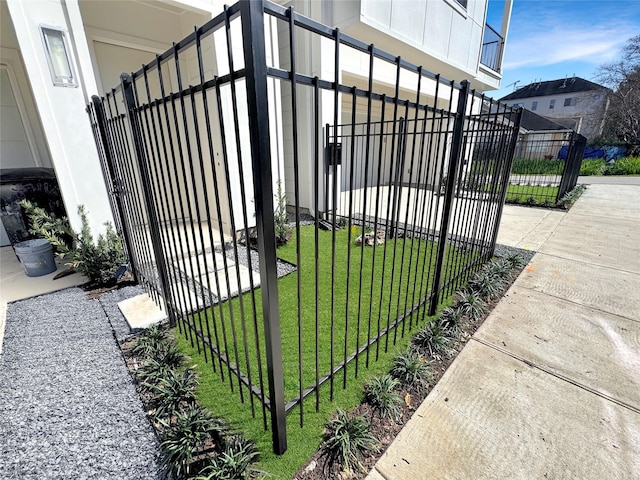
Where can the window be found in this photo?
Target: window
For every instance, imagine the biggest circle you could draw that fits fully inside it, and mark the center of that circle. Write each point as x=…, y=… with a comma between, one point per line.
x=517, y=105
x=569, y=102
x=462, y=2
x=534, y=105
x=552, y=103
x=58, y=56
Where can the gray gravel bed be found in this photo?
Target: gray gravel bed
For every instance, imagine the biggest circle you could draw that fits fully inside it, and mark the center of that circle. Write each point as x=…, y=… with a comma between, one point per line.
x=68, y=406
x=502, y=251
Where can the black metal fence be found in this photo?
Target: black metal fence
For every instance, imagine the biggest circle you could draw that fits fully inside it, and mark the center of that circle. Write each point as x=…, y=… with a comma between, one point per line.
x=197, y=145
x=545, y=167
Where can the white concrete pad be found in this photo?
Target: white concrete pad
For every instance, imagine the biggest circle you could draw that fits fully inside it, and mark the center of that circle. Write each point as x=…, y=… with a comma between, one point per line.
x=15, y=285
x=594, y=349
x=141, y=312
x=600, y=240
x=235, y=284
x=494, y=417
x=606, y=289
x=619, y=201
x=208, y=262
x=527, y=227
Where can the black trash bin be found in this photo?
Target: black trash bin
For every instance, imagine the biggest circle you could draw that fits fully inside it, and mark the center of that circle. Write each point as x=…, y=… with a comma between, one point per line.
x=38, y=185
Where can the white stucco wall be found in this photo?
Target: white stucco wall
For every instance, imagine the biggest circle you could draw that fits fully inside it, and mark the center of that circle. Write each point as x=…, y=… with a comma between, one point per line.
x=61, y=109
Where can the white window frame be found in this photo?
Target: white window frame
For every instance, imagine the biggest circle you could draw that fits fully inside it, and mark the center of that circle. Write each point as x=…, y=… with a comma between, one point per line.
x=59, y=80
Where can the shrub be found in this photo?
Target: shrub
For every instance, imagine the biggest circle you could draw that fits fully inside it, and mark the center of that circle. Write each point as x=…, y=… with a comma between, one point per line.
x=182, y=441
x=500, y=268
x=624, y=166
x=451, y=318
x=149, y=341
x=173, y=392
x=434, y=340
x=346, y=439
x=487, y=284
x=380, y=393
x=515, y=261
x=281, y=218
x=571, y=197
x=411, y=369
x=535, y=166
x=592, y=166
x=471, y=304
x=97, y=260
x=233, y=463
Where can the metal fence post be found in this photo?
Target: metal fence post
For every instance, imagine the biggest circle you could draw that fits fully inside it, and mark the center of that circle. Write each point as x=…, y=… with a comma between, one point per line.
x=253, y=33
x=572, y=165
x=145, y=180
x=454, y=161
x=108, y=160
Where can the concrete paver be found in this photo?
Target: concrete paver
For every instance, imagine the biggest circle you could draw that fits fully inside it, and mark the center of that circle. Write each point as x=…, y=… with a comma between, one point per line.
x=549, y=386
x=492, y=416
x=602, y=288
x=529, y=227
x=573, y=341
x=603, y=241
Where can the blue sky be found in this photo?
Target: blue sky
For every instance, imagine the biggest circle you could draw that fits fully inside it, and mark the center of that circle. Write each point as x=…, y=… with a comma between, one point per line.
x=551, y=39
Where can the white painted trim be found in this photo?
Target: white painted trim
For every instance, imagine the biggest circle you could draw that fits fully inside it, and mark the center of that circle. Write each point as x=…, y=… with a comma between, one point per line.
x=22, y=110
x=121, y=40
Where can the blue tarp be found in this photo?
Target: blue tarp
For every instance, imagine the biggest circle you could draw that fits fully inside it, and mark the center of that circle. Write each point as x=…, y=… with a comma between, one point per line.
x=608, y=153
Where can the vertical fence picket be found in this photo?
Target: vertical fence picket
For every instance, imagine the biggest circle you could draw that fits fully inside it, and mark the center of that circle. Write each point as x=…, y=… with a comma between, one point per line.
x=257, y=103
x=452, y=169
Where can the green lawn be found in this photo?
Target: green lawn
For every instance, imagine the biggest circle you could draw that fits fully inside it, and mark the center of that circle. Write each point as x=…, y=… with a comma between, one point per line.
x=531, y=194
x=304, y=441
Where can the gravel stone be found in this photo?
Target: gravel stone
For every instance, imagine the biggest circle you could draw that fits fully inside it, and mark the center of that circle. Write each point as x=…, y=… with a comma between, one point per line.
x=68, y=406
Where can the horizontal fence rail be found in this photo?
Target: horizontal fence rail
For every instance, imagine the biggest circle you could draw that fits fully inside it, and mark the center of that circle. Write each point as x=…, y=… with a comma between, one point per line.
x=225, y=147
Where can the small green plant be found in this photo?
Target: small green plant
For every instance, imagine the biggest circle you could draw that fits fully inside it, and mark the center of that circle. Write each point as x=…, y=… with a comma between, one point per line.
x=570, y=197
x=434, y=340
x=379, y=392
x=624, y=166
x=97, y=259
x=515, y=261
x=451, y=319
x=151, y=372
x=593, y=166
x=501, y=268
x=281, y=218
x=412, y=369
x=182, y=442
x=234, y=462
x=471, y=304
x=173, y=392
x=346, y=439
x=487, y=284
x=149, y=341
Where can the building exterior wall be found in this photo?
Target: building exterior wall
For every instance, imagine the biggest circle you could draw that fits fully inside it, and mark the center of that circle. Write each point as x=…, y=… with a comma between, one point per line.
x=584, y=113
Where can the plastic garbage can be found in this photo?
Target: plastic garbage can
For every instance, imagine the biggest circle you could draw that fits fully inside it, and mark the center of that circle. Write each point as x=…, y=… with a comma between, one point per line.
x=36, y=257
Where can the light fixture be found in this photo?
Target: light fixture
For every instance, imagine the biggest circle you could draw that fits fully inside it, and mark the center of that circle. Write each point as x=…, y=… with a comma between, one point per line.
x=58, y=57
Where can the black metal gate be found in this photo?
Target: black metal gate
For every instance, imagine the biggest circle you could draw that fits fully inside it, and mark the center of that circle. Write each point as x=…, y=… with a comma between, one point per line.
x=195, y=147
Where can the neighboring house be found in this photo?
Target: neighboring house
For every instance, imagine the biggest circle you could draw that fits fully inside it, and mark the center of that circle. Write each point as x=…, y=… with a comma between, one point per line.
x=574, y=103
x=56, y=54
x=539, y=137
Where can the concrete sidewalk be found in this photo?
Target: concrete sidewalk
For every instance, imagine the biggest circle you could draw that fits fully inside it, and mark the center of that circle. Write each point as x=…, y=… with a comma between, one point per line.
x=549, y=386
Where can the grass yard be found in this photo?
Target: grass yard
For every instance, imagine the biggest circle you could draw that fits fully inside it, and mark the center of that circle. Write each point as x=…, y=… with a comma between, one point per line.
x=531, y=194
x=392, y=292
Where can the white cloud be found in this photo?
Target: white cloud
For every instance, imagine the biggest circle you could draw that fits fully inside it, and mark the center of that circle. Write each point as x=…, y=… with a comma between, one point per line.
x=595, y=45
x=549, y=32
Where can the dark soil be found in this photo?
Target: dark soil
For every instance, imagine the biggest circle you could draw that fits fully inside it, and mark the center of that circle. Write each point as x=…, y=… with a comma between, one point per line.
x=96, y=290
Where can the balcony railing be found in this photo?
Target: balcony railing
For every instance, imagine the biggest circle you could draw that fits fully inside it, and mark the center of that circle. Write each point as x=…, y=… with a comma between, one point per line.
x=492, y=47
